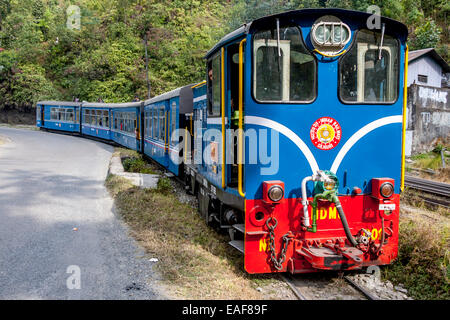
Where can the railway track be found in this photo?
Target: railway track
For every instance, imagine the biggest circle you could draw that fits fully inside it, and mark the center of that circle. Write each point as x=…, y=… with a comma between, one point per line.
x=303, y=289
x=434, y=194
x=428, y=186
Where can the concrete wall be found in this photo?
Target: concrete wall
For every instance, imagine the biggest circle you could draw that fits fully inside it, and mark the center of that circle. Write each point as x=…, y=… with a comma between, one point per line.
x=427, y=67
x=428, y=118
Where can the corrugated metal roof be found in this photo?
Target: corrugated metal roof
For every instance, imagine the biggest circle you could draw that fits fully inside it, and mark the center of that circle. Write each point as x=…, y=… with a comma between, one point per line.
x=416, y=54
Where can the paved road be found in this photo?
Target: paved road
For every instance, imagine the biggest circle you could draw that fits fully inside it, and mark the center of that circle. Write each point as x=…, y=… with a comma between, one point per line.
x=50, y=184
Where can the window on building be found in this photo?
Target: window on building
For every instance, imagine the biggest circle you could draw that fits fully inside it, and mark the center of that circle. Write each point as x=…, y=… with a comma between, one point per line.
x=422, y=78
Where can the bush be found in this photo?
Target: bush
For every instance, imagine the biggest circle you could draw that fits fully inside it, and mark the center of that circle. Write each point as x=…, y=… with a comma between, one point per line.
x=164, y=186
x=137, y=165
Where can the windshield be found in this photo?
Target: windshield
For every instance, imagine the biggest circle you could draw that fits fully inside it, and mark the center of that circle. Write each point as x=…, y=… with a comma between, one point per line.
x=369, y=71
x=284, y=70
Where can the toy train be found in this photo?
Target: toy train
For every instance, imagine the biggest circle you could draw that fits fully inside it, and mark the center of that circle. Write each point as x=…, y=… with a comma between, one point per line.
x=293, y=144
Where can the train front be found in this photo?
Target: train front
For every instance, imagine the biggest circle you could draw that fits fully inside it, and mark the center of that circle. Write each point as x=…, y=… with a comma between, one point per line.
x=323, y=103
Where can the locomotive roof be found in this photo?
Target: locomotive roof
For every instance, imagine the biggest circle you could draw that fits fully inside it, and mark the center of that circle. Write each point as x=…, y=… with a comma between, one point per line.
x=397, y=26
x=59, y=103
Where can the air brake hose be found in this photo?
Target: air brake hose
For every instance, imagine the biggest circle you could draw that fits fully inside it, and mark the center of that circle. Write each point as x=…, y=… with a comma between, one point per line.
x=344, y=220
x=332, y=197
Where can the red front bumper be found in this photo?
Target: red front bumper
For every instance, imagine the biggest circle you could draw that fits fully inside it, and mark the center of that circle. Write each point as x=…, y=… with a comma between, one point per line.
x=328, y=248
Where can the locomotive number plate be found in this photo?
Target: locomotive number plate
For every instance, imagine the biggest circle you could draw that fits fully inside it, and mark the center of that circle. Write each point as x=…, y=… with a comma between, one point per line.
x=390, y=206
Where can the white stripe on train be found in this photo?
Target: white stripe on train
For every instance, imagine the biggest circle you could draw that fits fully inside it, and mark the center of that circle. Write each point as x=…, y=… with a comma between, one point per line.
x=307, y=152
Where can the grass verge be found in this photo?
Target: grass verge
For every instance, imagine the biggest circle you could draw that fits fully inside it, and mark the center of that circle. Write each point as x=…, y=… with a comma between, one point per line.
x=195, y=261
x=134, y=162
x=423, y=264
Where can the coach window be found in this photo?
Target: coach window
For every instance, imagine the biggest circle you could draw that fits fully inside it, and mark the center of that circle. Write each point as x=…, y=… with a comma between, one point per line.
x=161, y=123
x=99, y=118
x=105, y=118
x=369, y=72
x=150, y=122
x=214, y=76
x=174, y=119
x=155, y=123
x=69, y=115
x=283, y=68
x=52, y=114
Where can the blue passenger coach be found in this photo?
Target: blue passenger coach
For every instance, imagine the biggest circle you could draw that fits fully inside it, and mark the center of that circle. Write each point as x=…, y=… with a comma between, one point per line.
x=126, y=123
x=96, y=120
x=162, y=116
x=58, y=115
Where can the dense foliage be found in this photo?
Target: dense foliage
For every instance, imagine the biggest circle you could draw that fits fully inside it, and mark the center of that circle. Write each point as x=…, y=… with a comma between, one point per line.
x=45, y=55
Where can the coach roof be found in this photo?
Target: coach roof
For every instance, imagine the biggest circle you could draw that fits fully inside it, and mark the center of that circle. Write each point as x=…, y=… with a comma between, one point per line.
x=111, y=105
x=59, y=103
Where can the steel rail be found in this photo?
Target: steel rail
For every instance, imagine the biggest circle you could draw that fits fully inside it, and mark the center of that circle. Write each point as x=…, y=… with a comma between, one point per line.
x=294, y=289
x=366, y=293
x=301, y=296
x=438, y=188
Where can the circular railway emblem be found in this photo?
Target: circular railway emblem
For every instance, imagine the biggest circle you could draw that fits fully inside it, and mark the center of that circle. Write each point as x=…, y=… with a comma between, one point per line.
x=326, y=133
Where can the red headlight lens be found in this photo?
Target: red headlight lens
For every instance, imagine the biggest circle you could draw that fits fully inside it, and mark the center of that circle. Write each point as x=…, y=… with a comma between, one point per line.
x=387, y=190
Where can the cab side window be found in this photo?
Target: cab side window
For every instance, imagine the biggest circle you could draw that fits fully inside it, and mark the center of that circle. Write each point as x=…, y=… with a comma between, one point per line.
x=214, y=76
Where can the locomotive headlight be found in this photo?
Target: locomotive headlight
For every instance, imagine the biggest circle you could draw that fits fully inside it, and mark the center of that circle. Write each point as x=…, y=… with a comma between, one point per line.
x=329, y=185
x=275, y=193
x=330, y=35
x=340, y=34
x=327, y=182
x=322, y=33
x=387, y=189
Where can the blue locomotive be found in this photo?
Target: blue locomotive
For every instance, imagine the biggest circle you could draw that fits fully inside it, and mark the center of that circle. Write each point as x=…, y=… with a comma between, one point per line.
x=293, y=144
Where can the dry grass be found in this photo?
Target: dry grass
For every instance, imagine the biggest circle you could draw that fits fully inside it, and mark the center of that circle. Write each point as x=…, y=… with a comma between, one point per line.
x=432, y=160
x=194, y=260
x=414, y=198
x=423, y=264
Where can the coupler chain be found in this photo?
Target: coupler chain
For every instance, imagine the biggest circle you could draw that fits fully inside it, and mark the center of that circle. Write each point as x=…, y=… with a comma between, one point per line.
x=277, y=263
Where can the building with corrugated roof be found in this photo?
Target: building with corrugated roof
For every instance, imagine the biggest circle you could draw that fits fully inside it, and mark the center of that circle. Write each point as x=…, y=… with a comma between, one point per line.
x=428, y=68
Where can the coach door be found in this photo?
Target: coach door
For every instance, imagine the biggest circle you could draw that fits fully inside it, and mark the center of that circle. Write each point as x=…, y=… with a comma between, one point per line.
x=40, y=114
x=233, y=100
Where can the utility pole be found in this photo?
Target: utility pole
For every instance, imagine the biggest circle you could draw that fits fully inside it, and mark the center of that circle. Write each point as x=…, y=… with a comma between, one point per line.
x=146, y=67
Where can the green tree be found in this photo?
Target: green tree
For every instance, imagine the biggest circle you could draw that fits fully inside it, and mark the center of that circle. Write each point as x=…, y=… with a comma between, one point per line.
x=426, y=36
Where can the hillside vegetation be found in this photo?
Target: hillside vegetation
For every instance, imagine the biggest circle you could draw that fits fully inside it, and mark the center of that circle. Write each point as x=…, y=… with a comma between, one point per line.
x=45, y=55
